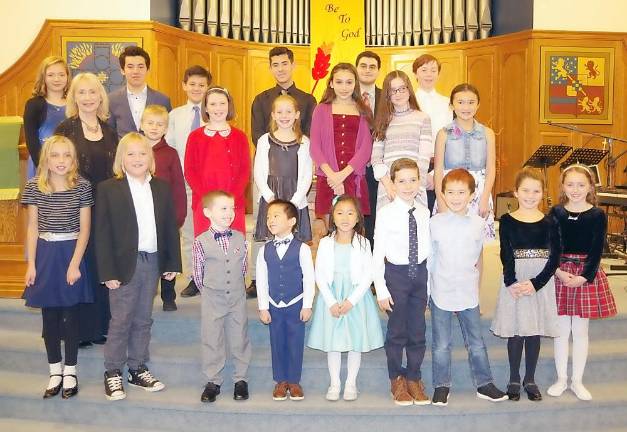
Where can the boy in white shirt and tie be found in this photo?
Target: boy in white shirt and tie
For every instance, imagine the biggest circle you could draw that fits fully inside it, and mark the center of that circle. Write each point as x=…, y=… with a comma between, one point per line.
x=401, y=247
x=182, y=121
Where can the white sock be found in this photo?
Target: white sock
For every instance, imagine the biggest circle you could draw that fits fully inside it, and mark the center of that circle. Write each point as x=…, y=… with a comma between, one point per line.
x=55, y=369
x=352, y=364
x=69, y=381
x=334, y=360
x=580, y=347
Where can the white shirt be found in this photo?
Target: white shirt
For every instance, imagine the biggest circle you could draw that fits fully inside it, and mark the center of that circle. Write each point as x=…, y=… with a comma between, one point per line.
x=371, y=95
x=137, y=104
x=305, y=171
x=179, y=127
x=307, y=267
x=438, y=108
x=391, y=239
x=145, y=214
x=457, y=242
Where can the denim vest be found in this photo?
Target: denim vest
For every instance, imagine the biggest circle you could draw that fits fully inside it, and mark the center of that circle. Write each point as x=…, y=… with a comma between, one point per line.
x=463, y=149
x=285, y=276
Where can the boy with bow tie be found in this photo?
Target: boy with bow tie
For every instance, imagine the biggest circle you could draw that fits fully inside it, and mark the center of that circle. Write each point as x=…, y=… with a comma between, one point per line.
x=285, y=293
x=219, y=269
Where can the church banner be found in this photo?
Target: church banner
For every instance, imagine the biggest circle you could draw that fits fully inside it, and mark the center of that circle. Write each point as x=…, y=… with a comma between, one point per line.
x=337, y=35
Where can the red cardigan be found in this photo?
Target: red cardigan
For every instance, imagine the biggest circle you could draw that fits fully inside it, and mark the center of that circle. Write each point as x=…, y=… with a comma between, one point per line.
x=168, y=168
x=217, y=162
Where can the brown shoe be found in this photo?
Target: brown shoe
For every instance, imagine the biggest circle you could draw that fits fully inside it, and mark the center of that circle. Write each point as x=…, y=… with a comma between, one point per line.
x=399, y=392
x=417, y=391
x=296, y=392
x=280, y=391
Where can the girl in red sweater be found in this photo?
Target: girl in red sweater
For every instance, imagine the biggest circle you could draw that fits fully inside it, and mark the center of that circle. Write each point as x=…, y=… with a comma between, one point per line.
x=217, y=156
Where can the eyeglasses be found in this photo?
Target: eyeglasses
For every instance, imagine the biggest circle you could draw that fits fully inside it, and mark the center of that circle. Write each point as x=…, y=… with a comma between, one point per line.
x=400, y=90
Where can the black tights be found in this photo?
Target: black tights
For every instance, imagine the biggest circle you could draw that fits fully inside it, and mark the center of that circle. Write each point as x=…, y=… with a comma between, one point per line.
x=514, y=352
x=61, y=323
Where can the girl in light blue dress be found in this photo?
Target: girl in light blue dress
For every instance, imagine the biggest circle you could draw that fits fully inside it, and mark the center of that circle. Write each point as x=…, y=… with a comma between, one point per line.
x=345, y=317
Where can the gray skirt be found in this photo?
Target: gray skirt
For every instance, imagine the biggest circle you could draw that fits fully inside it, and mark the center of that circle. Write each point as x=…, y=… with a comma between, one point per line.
x=528, y=315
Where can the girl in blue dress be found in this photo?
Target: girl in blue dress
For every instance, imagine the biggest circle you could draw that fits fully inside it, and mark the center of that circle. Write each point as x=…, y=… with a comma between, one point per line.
x=345, y=316
x=59, y=215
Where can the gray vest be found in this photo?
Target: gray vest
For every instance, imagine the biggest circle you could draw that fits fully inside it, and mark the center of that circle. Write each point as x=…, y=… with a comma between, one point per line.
x=223, y=271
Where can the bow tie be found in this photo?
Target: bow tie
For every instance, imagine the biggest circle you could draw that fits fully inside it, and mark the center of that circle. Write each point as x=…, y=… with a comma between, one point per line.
x=278, y=243
x=218, y=235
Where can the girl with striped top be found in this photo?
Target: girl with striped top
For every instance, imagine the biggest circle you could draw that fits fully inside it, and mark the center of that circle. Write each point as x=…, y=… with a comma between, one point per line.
x=59, y=215
x=401, y=131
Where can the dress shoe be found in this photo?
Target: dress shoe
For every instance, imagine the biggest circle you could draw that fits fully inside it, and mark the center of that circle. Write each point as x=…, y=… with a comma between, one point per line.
x=533, y=392
x=251, y=291
x=211, y=391
x=280, y=391
x=240, y=392
x=513, y=391
x=296, y=392
x=190, y=290
x=169, y=306
x=54, y=390
x=72, y=391
x=100, y=341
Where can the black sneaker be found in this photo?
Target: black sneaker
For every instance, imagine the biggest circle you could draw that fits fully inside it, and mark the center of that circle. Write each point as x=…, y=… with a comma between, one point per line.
x=190, y=290
x=114, y=390
x=210, y=392
x=240, y=390
x=491, y=393
x=141, y=377
x=440, y=396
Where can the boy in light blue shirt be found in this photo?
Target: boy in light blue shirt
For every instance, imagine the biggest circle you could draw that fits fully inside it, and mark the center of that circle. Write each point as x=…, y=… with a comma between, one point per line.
x=457, y=243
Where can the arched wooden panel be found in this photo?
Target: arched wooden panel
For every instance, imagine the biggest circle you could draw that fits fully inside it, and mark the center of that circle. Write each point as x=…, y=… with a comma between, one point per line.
x=480, y=73
x=168, y=77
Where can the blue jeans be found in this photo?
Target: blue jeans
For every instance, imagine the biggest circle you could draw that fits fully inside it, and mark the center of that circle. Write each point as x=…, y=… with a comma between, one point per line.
x=470, y=323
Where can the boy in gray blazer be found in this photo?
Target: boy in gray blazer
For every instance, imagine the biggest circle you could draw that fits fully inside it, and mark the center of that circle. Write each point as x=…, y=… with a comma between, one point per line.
x=219, y=268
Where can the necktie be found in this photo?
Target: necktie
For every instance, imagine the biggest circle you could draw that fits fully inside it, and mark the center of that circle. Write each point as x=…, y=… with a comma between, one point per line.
x=413, y=245
x=278, y=243
x=219, y=235
x=196, y=119
x=365, y=96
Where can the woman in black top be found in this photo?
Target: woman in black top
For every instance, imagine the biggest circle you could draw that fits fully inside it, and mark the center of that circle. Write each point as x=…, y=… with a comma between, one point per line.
x=96, y=142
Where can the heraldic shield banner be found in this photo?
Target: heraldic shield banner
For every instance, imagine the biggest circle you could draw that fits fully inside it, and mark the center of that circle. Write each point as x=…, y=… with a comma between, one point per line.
x=576, y=85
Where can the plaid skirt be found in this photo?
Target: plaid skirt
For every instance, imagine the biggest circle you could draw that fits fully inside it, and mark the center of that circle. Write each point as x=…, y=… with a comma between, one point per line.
x=590, y=300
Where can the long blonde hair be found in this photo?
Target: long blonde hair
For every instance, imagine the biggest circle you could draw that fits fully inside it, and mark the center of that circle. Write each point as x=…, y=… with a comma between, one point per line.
x=43, y=170
x=71, y=110
x=296, y=127
x=591, y=197
x=39, y=88
x=118, y=162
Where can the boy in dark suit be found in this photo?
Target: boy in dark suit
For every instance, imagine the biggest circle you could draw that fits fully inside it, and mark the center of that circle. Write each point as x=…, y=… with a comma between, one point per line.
x=137, y=241
x=127, y=103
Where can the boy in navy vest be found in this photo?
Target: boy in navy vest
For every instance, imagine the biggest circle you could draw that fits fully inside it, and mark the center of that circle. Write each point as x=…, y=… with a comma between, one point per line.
x=219, y=269
x=285, y=293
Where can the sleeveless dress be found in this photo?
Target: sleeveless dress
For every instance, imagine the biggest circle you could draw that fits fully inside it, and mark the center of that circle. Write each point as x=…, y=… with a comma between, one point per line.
x=359, y=330
x=469, y=150
x=282, y=180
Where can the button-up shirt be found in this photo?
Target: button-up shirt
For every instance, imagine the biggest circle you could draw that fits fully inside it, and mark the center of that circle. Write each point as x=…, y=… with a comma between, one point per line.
x=391, y=239
x=137, y=104
x=457, y=242
x=306, y=265
x=145, y=213
x=437, y=107
x=179, y=127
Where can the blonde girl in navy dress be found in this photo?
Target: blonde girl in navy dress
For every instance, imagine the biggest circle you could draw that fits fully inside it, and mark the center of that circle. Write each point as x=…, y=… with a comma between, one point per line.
x=59, y=213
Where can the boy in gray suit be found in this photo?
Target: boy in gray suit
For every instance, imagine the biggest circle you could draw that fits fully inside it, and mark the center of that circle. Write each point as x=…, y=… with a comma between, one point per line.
x=219, y=269
x=127, y=103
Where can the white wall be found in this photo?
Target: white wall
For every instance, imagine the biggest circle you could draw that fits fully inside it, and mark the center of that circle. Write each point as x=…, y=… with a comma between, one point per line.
x=21, y=20
x=580, y=15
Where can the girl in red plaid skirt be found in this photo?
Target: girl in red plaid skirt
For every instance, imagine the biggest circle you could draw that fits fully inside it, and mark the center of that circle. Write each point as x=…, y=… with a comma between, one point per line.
x=581, y=286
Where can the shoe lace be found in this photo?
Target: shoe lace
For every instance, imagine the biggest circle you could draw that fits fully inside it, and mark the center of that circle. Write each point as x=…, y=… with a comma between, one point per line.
x=147, y=377
x=114, y=383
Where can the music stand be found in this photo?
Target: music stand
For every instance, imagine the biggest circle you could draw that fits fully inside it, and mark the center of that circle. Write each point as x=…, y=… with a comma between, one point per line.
x=546, y=156
x=584, y=156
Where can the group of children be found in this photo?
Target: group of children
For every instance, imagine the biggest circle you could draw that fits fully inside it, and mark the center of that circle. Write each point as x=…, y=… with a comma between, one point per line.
x=137, y=242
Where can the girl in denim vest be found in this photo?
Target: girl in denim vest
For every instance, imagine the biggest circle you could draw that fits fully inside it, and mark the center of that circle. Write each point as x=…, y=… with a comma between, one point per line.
x=466, y=143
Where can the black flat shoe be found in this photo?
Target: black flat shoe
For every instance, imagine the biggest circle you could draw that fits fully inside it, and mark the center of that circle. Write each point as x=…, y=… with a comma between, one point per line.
x=240, y=391
x=211, y=391
x=100, y=341
x=54, y=390
x=69, y=392
x=85, y=344
x=533, y=392
x=513, y=391
x=251, y=291
x=169, y=306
